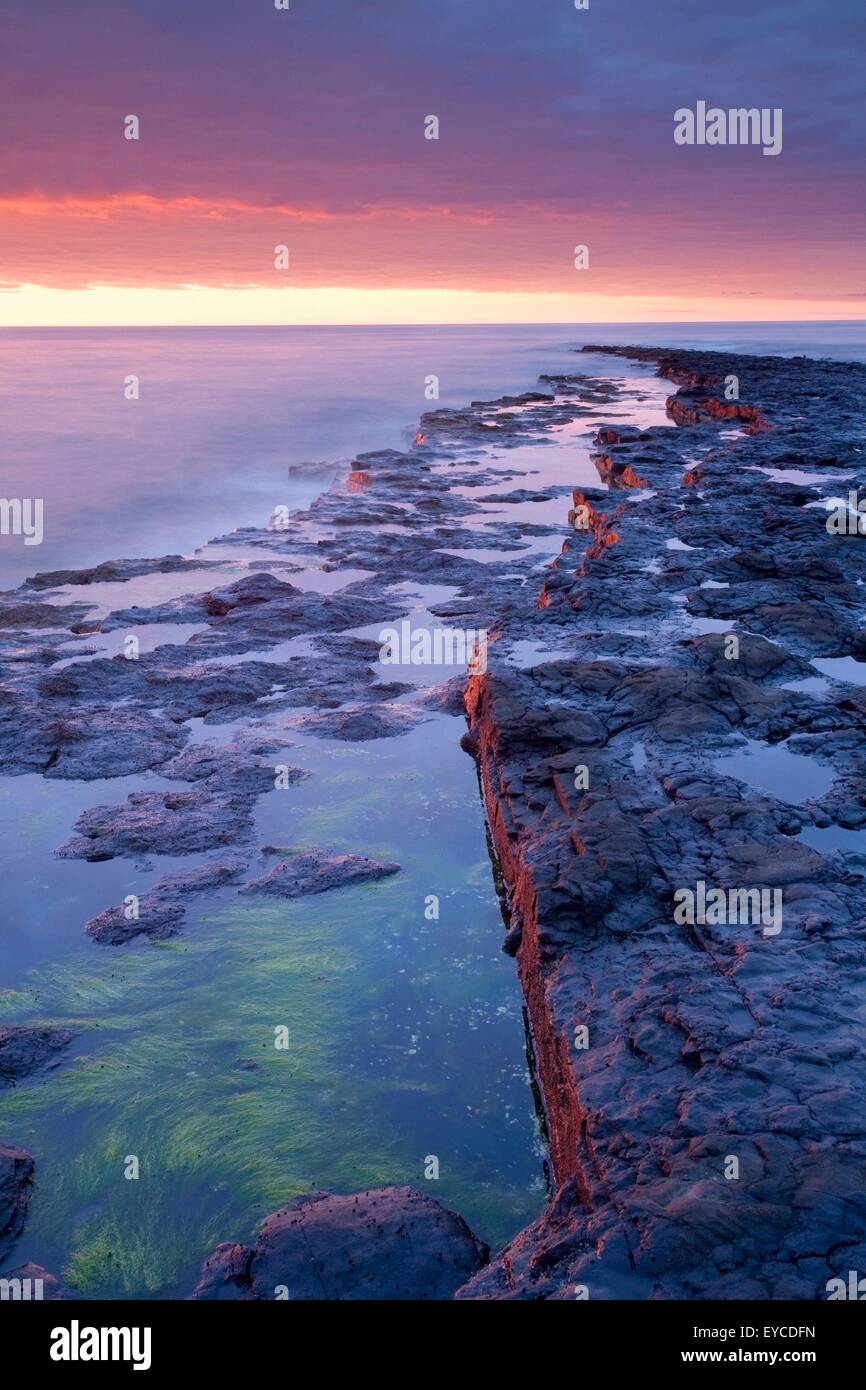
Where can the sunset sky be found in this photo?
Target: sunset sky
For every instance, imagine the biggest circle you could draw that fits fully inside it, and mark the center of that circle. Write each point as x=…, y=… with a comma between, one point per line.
x=305, y=127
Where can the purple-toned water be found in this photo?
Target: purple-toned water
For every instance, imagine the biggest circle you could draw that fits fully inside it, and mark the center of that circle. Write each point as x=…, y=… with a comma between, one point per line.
x=229, y=420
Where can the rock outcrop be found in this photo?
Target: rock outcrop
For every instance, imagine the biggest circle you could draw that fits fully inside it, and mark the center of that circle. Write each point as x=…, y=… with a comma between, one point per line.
x=703, y=1076
x=16, y=1179
x=389, y=1244
x=312, y=871
x=25, y=1049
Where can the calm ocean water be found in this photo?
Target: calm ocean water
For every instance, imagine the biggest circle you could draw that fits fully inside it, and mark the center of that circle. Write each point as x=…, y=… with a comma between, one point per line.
x=229, y=421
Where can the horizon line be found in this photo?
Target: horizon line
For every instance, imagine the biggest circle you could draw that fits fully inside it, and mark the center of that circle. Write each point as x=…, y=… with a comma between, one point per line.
x=433, y=323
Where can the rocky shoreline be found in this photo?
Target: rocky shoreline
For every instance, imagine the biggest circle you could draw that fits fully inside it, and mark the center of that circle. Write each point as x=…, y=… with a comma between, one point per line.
x=603, y=727
x=704, y=1083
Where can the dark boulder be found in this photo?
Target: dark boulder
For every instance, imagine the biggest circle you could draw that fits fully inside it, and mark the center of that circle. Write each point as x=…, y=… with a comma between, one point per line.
x=392, y=1243
x=16, y=1178
x=24, y=1050
x=315, y=872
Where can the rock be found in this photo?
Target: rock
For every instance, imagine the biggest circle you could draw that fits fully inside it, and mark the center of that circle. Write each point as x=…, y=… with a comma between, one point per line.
x=256, y=611
x=160, y=823
x=450, y=698
x=312, y=871
x=24, y=1050
x=757, y=658
x=253, y=589
x=16, y=1178
x=115, y=572
x=25, y=616
x=162, y=909
x=391, y=1244
x=109, y=743
x=361, y=725
x=715, y=1039
x=229, y=769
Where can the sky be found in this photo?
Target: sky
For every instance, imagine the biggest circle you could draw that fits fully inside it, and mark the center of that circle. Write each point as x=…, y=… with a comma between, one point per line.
x=305, y=128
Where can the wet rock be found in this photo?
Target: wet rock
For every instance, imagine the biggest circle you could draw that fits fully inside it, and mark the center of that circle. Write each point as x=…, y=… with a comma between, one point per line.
x=757, y=659
x=16, y=1179
x=449, y=698
x=114, y=572
x=391, y=1243
x=313, y=871
x=160, y=823
x=244, y=593
x=713, y=1039
x=25, y=1049
x=27, y=616
x=256, y=611
x=361, y=725
x=160, y=911
x=617, y=472
x=229, y=769
x=108, y=744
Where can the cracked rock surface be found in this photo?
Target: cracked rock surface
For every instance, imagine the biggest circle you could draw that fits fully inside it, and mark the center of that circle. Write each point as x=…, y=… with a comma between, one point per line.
x=704, y=1083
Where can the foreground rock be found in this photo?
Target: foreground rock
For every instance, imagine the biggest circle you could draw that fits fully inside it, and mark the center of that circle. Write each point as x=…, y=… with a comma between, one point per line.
x=391, y=1243
x=24, y=1050
x=22, y=616
x=315, y=872
x=160, y=911
x=16, y=1179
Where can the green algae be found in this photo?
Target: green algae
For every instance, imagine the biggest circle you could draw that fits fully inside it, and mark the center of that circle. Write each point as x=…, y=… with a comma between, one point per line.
x=404, y=1041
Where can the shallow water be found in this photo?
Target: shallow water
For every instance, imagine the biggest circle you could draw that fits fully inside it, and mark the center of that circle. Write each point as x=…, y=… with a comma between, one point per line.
x=773, y=768
x=841, y=668
x=800, y=477
x=405, y=1034
x=107, y=644
x=832, y=837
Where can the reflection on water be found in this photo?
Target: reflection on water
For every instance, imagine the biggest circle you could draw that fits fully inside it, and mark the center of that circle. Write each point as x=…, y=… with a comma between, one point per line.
x=772, y=768
x=831, y=837
x=841, y=668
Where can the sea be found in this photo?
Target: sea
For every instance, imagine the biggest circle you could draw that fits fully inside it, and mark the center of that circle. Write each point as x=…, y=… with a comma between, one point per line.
x=230, y=423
